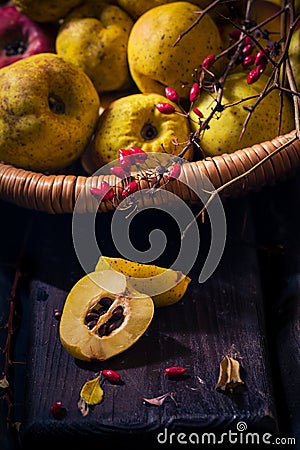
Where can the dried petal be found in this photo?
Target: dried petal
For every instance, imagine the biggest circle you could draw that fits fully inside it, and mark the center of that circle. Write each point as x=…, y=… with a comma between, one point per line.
x=158, y=401
x=91, y=392
x=83, y=407
x=165, y=108
x=4, y=382
x=229, y=376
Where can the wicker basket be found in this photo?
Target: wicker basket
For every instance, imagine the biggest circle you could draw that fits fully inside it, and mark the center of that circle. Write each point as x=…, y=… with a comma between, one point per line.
x=57, y=194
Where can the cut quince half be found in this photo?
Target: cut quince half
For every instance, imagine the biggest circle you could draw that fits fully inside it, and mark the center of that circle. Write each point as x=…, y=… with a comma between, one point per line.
x=99, y=322
x=165, y=286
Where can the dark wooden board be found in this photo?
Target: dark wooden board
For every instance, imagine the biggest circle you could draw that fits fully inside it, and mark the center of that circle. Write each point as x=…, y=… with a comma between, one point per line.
x=14, y=227
x=224, y=313
x=6, y=280
x=278, y=242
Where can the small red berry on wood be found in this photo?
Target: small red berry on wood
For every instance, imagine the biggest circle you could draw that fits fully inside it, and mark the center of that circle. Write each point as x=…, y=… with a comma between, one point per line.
x=111, y=375
x=174, y=371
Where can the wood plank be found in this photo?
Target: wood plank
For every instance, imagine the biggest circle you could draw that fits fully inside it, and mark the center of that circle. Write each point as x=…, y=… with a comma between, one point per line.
x=224, y=313
x=6, y=279
x=278, y=221
x=13, y=226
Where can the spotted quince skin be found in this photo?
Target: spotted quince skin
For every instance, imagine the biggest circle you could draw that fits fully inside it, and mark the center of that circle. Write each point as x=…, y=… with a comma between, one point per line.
x=165, y=286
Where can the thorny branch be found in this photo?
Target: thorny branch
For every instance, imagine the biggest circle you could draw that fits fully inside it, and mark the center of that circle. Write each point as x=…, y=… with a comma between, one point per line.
x=280, y=79
x=282, y=66
x=281, y=70
x=6, y=375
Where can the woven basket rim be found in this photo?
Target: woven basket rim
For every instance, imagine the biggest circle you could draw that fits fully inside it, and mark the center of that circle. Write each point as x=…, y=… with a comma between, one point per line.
x=57, y=194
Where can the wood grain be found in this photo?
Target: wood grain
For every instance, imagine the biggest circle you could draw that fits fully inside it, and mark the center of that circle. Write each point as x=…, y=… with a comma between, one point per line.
x=222, y=315
x=279, y=243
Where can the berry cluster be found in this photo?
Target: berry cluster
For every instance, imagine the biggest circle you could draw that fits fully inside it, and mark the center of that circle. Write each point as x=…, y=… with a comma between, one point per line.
x=171, y=94
x=258, y=60
x=127, y=159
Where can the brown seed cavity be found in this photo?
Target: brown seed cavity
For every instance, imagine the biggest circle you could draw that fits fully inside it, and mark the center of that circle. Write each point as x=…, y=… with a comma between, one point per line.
x=115, y=317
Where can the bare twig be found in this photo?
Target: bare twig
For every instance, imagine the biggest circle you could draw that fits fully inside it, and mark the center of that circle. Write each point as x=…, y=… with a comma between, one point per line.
x=214, y=193
x=201, y=14
x=6, y=372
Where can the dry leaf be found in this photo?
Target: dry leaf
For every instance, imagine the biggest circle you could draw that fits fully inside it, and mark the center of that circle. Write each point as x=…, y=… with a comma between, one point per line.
x=83, y=407
x=158, y=401
x=229, y=376
x=4, y=382
x=18, y=425
x=91, y=392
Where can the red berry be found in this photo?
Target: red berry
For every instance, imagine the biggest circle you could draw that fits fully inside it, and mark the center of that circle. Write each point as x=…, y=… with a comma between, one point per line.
x=111, y=375
x=171, y=95
x=208, y=61
x=248, y=60
x=124, y=152
x=56, y=409
x=174, y=372
x=165, y=108
x=130, y=188
x=137, y=154
x=261, y=57
x=253, y=76
x=104, y=191
x=174, y=172
x=248, y=40
x=235, y=34
x=198, y=112
x=118, y=172
x=247, y=49
x=261, y=67
x=124, y=160
x=194, y=92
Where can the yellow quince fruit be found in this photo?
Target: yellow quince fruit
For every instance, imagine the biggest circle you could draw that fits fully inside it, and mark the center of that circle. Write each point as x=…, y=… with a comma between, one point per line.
x=164, y=286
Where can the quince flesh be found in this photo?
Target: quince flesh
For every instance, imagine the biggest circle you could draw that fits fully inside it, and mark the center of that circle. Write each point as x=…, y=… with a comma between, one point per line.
x=165, y=286
x=110, y=333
